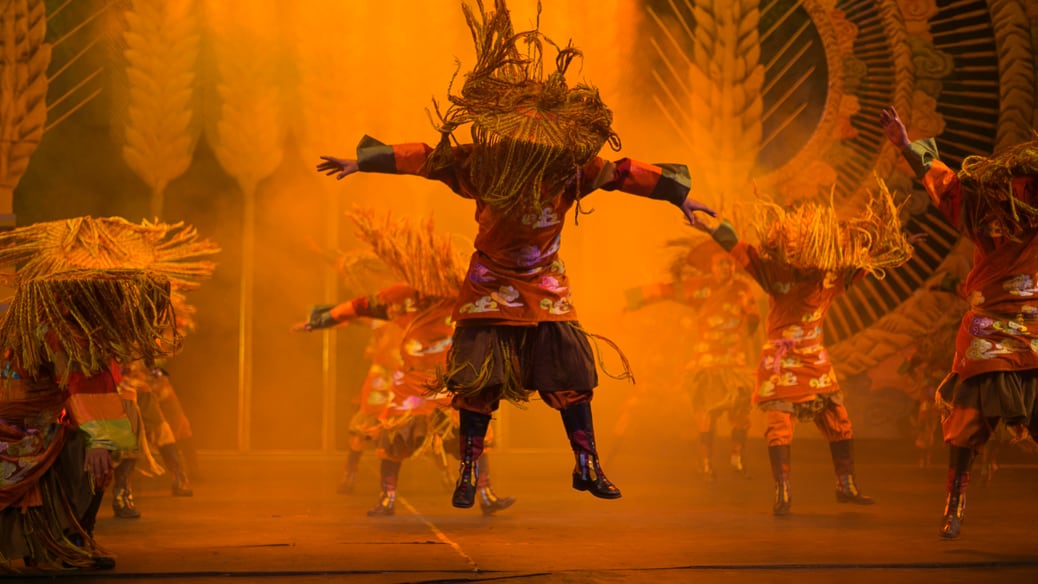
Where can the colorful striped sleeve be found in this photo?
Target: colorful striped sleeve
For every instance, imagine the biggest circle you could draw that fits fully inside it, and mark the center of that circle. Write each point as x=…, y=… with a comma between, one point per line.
x=97, y=409
x=663, y=182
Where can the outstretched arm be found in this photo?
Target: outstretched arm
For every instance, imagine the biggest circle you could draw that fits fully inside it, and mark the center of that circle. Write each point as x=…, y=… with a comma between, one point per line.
x=745, y=255
x=395, y=298
x=941, y=182
x=664, y=182
x=409, y=158
x=321, y=317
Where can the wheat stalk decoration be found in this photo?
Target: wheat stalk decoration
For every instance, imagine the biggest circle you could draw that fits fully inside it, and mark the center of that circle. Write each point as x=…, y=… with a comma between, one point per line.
x=159, y=126
x=24, y=59
x=246, y=131
x=712, y=93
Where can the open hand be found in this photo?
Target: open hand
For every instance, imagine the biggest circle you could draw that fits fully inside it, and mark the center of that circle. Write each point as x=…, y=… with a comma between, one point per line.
x=98, y=464
x=893, y=127
x=691, y=206
x=917, y=238
x=340, y=167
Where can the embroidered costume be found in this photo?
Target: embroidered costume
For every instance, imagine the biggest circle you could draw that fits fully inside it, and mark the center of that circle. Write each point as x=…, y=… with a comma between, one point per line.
x=718, y=376
x=994, y=375
x=806, y=258
x=414, y=419
x=533, y=156
x=173, y=250
x=61, y=418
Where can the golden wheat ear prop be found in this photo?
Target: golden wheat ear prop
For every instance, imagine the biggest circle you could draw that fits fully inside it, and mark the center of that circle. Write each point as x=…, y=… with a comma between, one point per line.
x=23, y=101
x=157, y=120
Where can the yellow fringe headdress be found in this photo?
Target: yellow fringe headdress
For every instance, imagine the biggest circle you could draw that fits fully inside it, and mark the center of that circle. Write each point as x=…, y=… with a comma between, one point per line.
x=531, y=132
x=417, y=254
x=362, y=272
x=810, y=236
x=987, y=183
x=94, y=315
x=169, y=249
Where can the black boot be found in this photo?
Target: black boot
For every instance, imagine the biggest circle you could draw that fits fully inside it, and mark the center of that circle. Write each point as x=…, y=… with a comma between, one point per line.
x=780, y=458
x=122, y=495
x=587, y=473
x=385, y=507
x=706, y=454
x=959, y=461
x=181, y=486
x=471, y=433
x=843, y=461
x=738, y=444
x=489, y=502
x=349, y=472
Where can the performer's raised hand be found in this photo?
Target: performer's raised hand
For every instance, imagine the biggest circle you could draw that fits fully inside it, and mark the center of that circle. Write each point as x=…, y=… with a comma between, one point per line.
x=340, y=167
x=691, y=206
x=893, y=127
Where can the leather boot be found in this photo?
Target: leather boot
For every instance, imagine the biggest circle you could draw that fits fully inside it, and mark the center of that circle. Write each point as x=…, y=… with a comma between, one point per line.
x=181, y=485
x=349, y=472
x=735, y=460
x=471, y=433
x=843, y=461
x=390, y=471
x=706, y=454
x=489, y=502
x=587, y=473
x=780, y=459
x=959, y=461
x=122, y=496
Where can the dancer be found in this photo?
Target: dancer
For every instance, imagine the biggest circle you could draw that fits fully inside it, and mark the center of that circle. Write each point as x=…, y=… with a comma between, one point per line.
x=421, y=306
x=806, y=258
x=533, y=157
x=60, y=416
x=173, y=250
x=993, y=201
x=718, y=377
x=375, y=394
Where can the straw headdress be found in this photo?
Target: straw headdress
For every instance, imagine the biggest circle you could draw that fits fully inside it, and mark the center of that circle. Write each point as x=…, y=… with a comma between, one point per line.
x=810, y=236
x=93, y=315
x=531, y=131
x=85, y=243
x=989, y=200
x=428, y=261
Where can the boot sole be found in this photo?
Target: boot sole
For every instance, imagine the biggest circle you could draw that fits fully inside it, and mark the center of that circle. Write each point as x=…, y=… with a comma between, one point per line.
x=845, y=499
x=580, y=486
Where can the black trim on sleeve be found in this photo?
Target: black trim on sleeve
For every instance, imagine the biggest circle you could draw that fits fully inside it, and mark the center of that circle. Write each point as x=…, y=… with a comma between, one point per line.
x=920, y=155
x=725, y=236
x=675, y=182
x=374, y=156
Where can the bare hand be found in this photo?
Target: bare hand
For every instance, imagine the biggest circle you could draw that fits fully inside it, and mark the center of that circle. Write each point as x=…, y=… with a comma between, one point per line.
x=340, y=167
x=893, y=127
x=691, y=206
x=917, y=238
x=98, y=464
x=302, y=327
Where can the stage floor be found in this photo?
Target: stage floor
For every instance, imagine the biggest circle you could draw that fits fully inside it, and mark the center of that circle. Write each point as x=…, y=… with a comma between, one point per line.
x=278, y=519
